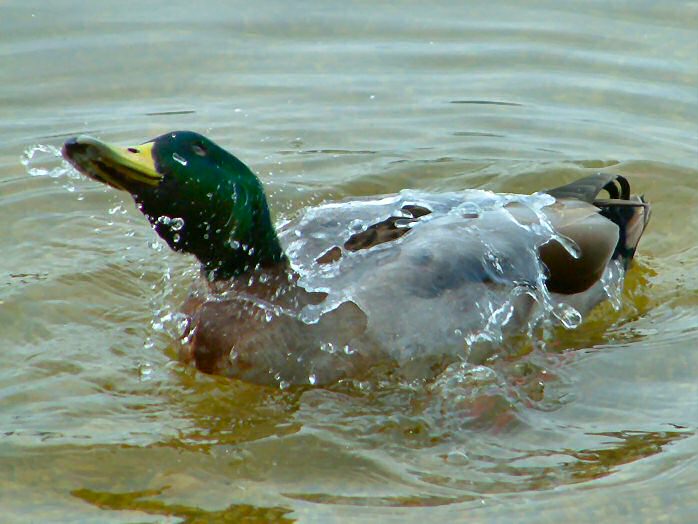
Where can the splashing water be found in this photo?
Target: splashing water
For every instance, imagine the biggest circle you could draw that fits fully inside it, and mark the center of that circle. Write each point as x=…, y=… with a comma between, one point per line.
x=40, y=161
x=612, y=281
x=466, y=274
x=174, y=223
x=179, y=158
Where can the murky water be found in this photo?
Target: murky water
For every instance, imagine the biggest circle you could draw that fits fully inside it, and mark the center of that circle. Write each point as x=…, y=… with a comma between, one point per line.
x=99, y=423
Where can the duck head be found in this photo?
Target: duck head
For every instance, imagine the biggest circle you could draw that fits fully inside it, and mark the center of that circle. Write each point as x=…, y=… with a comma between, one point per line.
x=198, y=197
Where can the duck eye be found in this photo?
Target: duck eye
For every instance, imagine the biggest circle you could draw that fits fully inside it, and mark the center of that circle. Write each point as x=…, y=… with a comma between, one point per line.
x=199, y=149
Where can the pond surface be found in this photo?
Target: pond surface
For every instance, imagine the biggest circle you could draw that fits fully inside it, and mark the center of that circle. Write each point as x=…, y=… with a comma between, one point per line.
x=327, y=100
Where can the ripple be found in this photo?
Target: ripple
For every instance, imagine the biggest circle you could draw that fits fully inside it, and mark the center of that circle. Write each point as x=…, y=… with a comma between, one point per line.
x=597, y=426
x=486, y=102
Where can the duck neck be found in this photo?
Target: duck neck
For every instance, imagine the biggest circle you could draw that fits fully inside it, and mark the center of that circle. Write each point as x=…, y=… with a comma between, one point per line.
x=249, y=246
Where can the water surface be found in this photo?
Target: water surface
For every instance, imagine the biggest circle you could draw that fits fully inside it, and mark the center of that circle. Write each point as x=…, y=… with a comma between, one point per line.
x=98, y=423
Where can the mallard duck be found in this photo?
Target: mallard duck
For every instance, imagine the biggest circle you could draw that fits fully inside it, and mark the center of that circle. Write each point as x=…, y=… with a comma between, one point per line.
x=404, y=278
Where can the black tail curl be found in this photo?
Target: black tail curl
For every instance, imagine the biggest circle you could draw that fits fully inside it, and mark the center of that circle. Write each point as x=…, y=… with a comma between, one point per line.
x=631, y=213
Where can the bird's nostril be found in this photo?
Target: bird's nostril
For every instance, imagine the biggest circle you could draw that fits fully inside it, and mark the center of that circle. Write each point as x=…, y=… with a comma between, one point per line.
x=133, y=150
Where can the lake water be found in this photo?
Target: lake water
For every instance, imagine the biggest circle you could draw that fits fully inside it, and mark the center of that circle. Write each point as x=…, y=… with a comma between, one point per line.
x=325, y=100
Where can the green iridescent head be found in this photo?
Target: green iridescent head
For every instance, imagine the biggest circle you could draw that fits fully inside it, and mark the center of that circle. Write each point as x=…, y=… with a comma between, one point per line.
x=199, y=198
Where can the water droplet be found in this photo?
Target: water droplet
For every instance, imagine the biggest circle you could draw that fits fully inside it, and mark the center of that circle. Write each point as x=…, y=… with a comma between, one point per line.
x=176, y=224
x=327, y=347
x=570, y=246
x=179, y=158
x=155, y=245
x=612, y=280
x=494, y=262
x=457, y=458
x=357, y=225
x=568, y=316
x=312, y=379
x=40, y=160
x=145, y=370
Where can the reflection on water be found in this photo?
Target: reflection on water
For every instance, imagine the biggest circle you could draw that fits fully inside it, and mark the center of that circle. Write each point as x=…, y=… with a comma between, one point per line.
x=138, y=501
x=568, y=467
x=99, y=423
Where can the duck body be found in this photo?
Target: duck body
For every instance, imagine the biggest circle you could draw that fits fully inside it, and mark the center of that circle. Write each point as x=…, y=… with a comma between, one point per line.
x=467, y=274
x=416, y=280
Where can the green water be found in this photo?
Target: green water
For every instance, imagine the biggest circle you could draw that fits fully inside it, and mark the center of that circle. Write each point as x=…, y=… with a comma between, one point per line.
x=99, y=423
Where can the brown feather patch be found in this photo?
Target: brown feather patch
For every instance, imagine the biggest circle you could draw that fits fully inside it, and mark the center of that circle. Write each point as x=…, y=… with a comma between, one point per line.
x=387, y=230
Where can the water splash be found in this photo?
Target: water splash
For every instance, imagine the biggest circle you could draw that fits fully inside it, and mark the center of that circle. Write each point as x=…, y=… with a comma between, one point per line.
x=173, y=223
x=179, y=159
x=567, y=315
x=612, y=281
x=40, y=161
x=467, y=274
